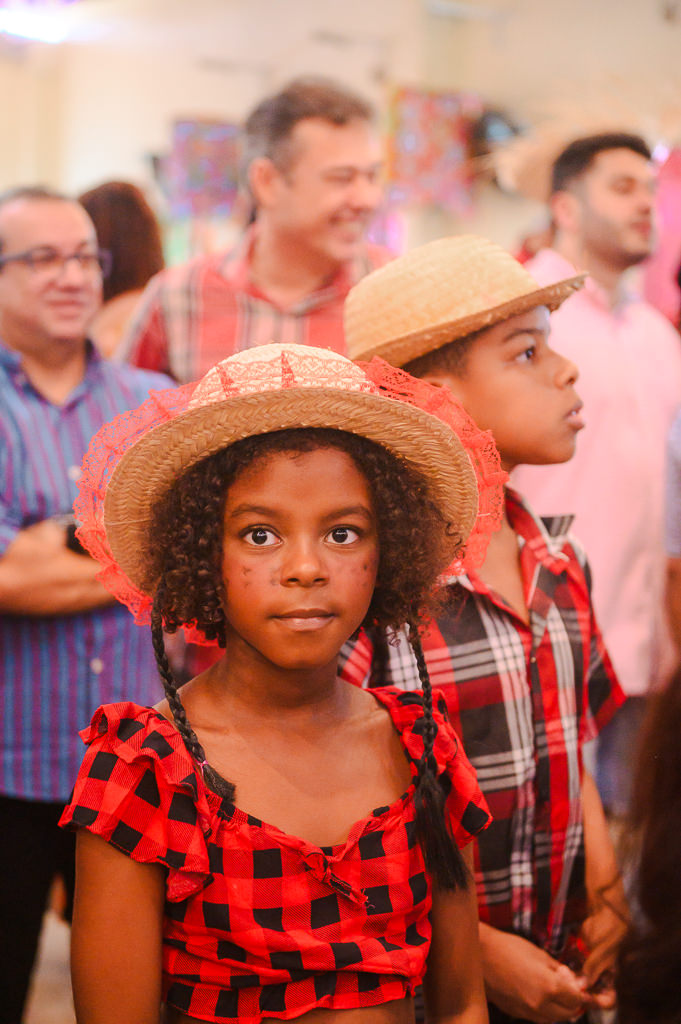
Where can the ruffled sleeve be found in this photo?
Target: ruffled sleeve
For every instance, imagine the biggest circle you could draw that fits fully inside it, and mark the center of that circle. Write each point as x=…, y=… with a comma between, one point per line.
x=466, y=806
x=138, y=789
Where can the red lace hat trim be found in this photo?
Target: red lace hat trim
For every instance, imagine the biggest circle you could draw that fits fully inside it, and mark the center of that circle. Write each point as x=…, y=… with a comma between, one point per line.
x=479, y=445
x=122, y=433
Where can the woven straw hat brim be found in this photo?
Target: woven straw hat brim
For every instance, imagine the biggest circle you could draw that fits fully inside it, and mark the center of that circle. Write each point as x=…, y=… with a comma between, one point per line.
x=402, y=350
x=147, y=470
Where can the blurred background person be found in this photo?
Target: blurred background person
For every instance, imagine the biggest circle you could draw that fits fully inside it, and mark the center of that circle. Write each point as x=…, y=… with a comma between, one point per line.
x=312, y=161
x=647, y=980
x=629, y=360
x=127, y=226
x=673, y=532
x=65, y=644
x=659, y=278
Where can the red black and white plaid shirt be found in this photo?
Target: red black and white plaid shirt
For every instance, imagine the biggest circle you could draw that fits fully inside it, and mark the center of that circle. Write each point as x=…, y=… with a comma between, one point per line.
x=259, y=923
x=523, y=698
x=192, y=316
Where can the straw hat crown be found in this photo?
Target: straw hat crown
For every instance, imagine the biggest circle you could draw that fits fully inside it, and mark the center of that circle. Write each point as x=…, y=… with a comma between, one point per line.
x=276, y=368
x=439, y=292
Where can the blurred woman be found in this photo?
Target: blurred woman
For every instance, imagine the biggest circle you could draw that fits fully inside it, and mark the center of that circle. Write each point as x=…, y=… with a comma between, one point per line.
x=650, y=957
x=127, y=227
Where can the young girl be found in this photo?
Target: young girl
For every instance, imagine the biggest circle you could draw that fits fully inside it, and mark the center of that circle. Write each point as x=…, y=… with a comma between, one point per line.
x=230, y=864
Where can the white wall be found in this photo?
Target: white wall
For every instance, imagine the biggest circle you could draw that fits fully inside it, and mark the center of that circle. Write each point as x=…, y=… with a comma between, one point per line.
x=537, y=51
x=124, y=100
x=30, y=116
x=80, y=113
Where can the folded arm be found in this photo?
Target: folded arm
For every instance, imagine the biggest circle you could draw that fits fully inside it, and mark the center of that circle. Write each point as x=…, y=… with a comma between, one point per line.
x=39, y=575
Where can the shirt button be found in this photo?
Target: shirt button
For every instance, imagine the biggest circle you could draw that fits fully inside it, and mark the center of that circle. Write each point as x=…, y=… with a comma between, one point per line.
x=97, y=666
x=73, y=472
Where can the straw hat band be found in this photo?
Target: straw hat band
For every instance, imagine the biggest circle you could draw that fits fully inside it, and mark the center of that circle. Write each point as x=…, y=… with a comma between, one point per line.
x=147, y=470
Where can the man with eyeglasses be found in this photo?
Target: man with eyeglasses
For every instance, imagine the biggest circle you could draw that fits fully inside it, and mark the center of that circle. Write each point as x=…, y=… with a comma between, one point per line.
x=65, y=646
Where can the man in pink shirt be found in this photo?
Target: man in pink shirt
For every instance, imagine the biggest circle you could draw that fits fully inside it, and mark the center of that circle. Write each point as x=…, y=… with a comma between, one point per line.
x=629, y=360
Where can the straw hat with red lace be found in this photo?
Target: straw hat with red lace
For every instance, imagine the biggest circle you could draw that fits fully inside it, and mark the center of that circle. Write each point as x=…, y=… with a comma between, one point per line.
x=133, y=461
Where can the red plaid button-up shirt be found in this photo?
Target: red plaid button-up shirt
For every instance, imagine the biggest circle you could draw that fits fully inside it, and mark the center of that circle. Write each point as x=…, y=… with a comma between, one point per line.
x=192, y=316
x=523, y=698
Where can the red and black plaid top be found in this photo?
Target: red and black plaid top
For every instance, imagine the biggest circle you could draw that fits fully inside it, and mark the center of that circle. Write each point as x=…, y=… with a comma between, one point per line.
x=258, y=923
x=523, y=698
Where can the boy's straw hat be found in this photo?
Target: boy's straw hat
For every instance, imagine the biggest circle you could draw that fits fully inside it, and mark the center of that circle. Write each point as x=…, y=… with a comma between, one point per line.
x=439, y=292
x=133, y=461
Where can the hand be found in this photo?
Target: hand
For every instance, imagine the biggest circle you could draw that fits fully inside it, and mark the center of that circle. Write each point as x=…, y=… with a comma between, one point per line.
x=44, y=538
x=602, y=931
x=524, y=981
x=40, y=576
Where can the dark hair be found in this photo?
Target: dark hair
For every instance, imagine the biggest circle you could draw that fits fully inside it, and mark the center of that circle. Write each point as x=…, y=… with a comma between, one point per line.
x=268, y=129
x=126, y=226
x=448, y=358
x=187, y=527
x=31, y=192
x=576, y=158
x=649, y=965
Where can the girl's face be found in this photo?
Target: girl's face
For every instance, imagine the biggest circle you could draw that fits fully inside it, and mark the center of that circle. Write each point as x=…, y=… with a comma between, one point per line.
x=300, y=556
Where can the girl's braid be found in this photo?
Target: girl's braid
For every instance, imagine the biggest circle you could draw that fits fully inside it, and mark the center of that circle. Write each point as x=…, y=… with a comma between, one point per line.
x=379, y=657
x=212, y=778
x=441, y=854
x=429, y=726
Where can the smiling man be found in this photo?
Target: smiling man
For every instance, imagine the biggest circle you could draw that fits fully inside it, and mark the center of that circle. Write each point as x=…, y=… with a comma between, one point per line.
x=64, y=643
x=312, y=162
x=629, y=360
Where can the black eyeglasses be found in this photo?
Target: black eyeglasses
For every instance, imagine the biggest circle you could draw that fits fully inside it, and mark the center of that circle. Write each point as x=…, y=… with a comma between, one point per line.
x=49, y=262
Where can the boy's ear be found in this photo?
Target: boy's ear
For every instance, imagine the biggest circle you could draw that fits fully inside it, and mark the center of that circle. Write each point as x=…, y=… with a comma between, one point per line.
x=442, y=379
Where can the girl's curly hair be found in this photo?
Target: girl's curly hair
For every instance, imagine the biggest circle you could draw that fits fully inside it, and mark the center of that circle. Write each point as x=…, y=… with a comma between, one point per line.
x=187, y=530
x=186, y=540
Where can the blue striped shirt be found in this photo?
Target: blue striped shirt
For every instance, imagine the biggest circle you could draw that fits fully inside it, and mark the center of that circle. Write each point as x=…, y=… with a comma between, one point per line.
x=56, y=670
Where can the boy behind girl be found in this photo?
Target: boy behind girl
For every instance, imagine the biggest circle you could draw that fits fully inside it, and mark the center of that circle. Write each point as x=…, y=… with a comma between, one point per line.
x=516, y=650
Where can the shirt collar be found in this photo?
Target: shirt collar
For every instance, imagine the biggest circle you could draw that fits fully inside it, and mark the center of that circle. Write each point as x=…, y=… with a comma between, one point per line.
x=10, y=360
x=552, y=266
x=545, y=537
x=235, y=266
